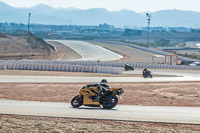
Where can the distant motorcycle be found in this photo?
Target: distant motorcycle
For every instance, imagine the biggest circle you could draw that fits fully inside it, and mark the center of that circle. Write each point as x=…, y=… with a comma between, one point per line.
x=147, y=74
x=128, y=67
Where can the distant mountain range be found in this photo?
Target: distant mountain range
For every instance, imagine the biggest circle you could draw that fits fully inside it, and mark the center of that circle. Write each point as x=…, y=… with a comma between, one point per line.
x=43, y=14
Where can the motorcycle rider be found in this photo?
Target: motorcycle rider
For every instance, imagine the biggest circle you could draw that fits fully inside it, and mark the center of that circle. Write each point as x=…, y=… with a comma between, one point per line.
x=145, y=70
x=146, y=73
x=103, y=86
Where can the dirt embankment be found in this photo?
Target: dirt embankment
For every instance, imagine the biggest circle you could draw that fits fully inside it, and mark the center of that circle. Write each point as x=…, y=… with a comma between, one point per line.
x=64, y=52
x=17, y=48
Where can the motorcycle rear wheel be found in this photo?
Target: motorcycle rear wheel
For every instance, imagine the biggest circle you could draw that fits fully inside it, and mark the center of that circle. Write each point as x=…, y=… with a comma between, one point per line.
x=110, y=104
x=77, y=101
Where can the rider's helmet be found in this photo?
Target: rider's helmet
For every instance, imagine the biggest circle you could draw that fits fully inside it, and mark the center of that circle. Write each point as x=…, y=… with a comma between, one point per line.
x=103, y=81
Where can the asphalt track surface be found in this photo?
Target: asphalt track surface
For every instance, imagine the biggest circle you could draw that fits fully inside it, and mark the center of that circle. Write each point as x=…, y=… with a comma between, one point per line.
x=189, y=115
x=90, y=52
x=174, y=75
x=68, y=79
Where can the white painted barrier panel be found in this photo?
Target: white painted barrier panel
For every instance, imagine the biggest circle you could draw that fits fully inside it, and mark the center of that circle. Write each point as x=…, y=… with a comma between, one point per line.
x=25, y=67
x=74, y=68
x=17, y=66
x=4, y=66
x=67, y=67
x=94, y=69
x=1, y=66
x=43, y=68
x=61, y=67
x=79, y=68
x=39, y=67
x=9, y=66
x=58, y=67
x=47, y=67
x=55, y=67
x=71, y=68
x=35, y=66
x=89, y=68
x=86, y=69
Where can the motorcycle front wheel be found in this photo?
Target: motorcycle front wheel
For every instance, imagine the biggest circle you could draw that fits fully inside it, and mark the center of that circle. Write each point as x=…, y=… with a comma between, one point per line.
x=77, y=101
x=111, y=103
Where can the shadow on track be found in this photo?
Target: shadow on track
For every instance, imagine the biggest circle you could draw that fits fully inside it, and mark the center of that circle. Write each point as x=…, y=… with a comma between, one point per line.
x=93, y=108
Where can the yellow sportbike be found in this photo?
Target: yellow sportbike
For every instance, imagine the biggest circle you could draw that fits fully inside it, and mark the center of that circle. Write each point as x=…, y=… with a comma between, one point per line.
x=88, y=96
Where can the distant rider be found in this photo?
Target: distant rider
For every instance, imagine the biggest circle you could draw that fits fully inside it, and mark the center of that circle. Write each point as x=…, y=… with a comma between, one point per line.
x=145, y=70
x=147, y=73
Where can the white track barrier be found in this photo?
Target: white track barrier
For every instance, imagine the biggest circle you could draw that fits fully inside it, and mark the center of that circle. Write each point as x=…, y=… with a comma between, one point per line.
x=60, y=67
x=83, y=66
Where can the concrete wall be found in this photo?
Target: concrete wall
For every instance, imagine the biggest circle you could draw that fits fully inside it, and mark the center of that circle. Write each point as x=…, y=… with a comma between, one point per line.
x=59, y=67
x=83, y=66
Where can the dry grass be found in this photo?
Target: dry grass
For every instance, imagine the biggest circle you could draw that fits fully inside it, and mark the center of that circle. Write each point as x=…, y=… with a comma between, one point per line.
x=29, y=124
x=151, y=94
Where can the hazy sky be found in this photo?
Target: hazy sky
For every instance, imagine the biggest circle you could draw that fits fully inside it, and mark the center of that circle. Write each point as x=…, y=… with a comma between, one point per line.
x=113, y=5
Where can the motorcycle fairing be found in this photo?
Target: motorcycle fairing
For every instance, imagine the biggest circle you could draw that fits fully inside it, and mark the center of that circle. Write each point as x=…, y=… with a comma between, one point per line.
x=90, y=91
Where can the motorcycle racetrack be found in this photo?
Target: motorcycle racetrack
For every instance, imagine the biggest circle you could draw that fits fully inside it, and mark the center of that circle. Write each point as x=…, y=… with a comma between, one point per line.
x=169, y=102
x=138, y=92
x=90, y=52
